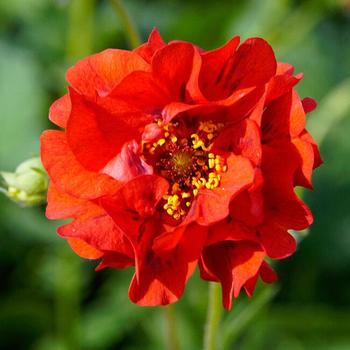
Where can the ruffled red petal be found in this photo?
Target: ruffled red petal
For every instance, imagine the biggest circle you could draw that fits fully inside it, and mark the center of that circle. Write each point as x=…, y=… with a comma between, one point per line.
x=60, y=111
x=98, y=74
x=67, y=173
x=233, y=264
x=83, y=249
x=154, y=43
x=102, y=133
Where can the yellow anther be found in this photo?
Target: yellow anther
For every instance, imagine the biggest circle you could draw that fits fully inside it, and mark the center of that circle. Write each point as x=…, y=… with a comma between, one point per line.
x=185, y=195
x=166, y=134
x=161, y=142
x=213, y=180
x=224, y=168
x=170, y=211
x=174, y=200
x=218, y=167
x=207, y=127
x=199, y=183
x=173, y=138
x=211, y=163
x=195, y=192
x=211, y=156
x=188, y=204
x=197, y=142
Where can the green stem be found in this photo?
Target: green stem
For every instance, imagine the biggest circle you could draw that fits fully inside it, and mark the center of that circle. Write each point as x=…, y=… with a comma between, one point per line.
x=213, y=317
x=131, y=31
x=67, y=298
x=80, y=29
x=171, y=332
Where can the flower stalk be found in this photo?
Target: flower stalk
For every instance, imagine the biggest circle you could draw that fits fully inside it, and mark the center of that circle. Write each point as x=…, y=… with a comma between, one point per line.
x=172, y=340
x=130, y=29
x=213, y=317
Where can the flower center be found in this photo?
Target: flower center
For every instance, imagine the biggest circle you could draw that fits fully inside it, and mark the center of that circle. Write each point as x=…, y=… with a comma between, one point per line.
x=182, y=156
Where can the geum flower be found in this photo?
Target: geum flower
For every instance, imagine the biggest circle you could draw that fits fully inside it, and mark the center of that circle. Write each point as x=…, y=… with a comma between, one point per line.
x=172, y=156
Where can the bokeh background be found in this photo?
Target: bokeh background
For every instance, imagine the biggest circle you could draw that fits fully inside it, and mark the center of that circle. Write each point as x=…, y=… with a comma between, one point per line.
x=52, y=300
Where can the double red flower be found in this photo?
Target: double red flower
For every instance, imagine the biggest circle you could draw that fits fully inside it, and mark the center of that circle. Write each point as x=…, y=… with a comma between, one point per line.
x=172, y=156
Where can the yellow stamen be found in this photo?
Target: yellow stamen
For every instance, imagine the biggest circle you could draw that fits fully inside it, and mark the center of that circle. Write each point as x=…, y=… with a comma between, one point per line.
x=161, y=142
x=173, y=138
x=211, y=163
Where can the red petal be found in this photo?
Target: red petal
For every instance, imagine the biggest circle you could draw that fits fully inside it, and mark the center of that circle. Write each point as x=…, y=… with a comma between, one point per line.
x=192, y=242
x=91, y=231
x=248, y=206
x=96, y=135
x=281, y=203
x=304, y=173
x=230, y=230
x=135, y=201
x=306, y=136
x=61, y=206
x=280, y=85
x=215, y=65
x=147, y=50
x=83, y=249
x=254, y=64
x=160, y=284
x=67, y=173
x=213, y=205
x=283, y=118
x=98, y=74
x=243, y=139
x=127, y=164
x=250, y=285
x=277, y=242
x=115, y=261
x=233, y=263
x=60, y=111
x=284, y=68
x=172, y=67
x=99, y=230
x=309, y=104
x=268, y=275
x=142, y=91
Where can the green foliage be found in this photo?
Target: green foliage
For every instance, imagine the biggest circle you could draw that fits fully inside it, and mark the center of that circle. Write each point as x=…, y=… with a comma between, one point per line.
x=52, y=300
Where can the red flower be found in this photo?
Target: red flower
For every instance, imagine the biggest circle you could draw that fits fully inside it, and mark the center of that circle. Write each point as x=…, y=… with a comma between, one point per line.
x=172, y=156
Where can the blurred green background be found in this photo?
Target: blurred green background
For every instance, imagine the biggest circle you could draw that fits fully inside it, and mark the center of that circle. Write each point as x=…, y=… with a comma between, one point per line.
x=52, y=300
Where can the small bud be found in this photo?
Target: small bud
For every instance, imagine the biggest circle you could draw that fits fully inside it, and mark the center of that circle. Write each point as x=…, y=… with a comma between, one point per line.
x=27, y=186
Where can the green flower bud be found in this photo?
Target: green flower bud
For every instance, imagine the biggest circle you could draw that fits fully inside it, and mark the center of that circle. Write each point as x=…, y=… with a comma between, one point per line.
x=27, y=186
